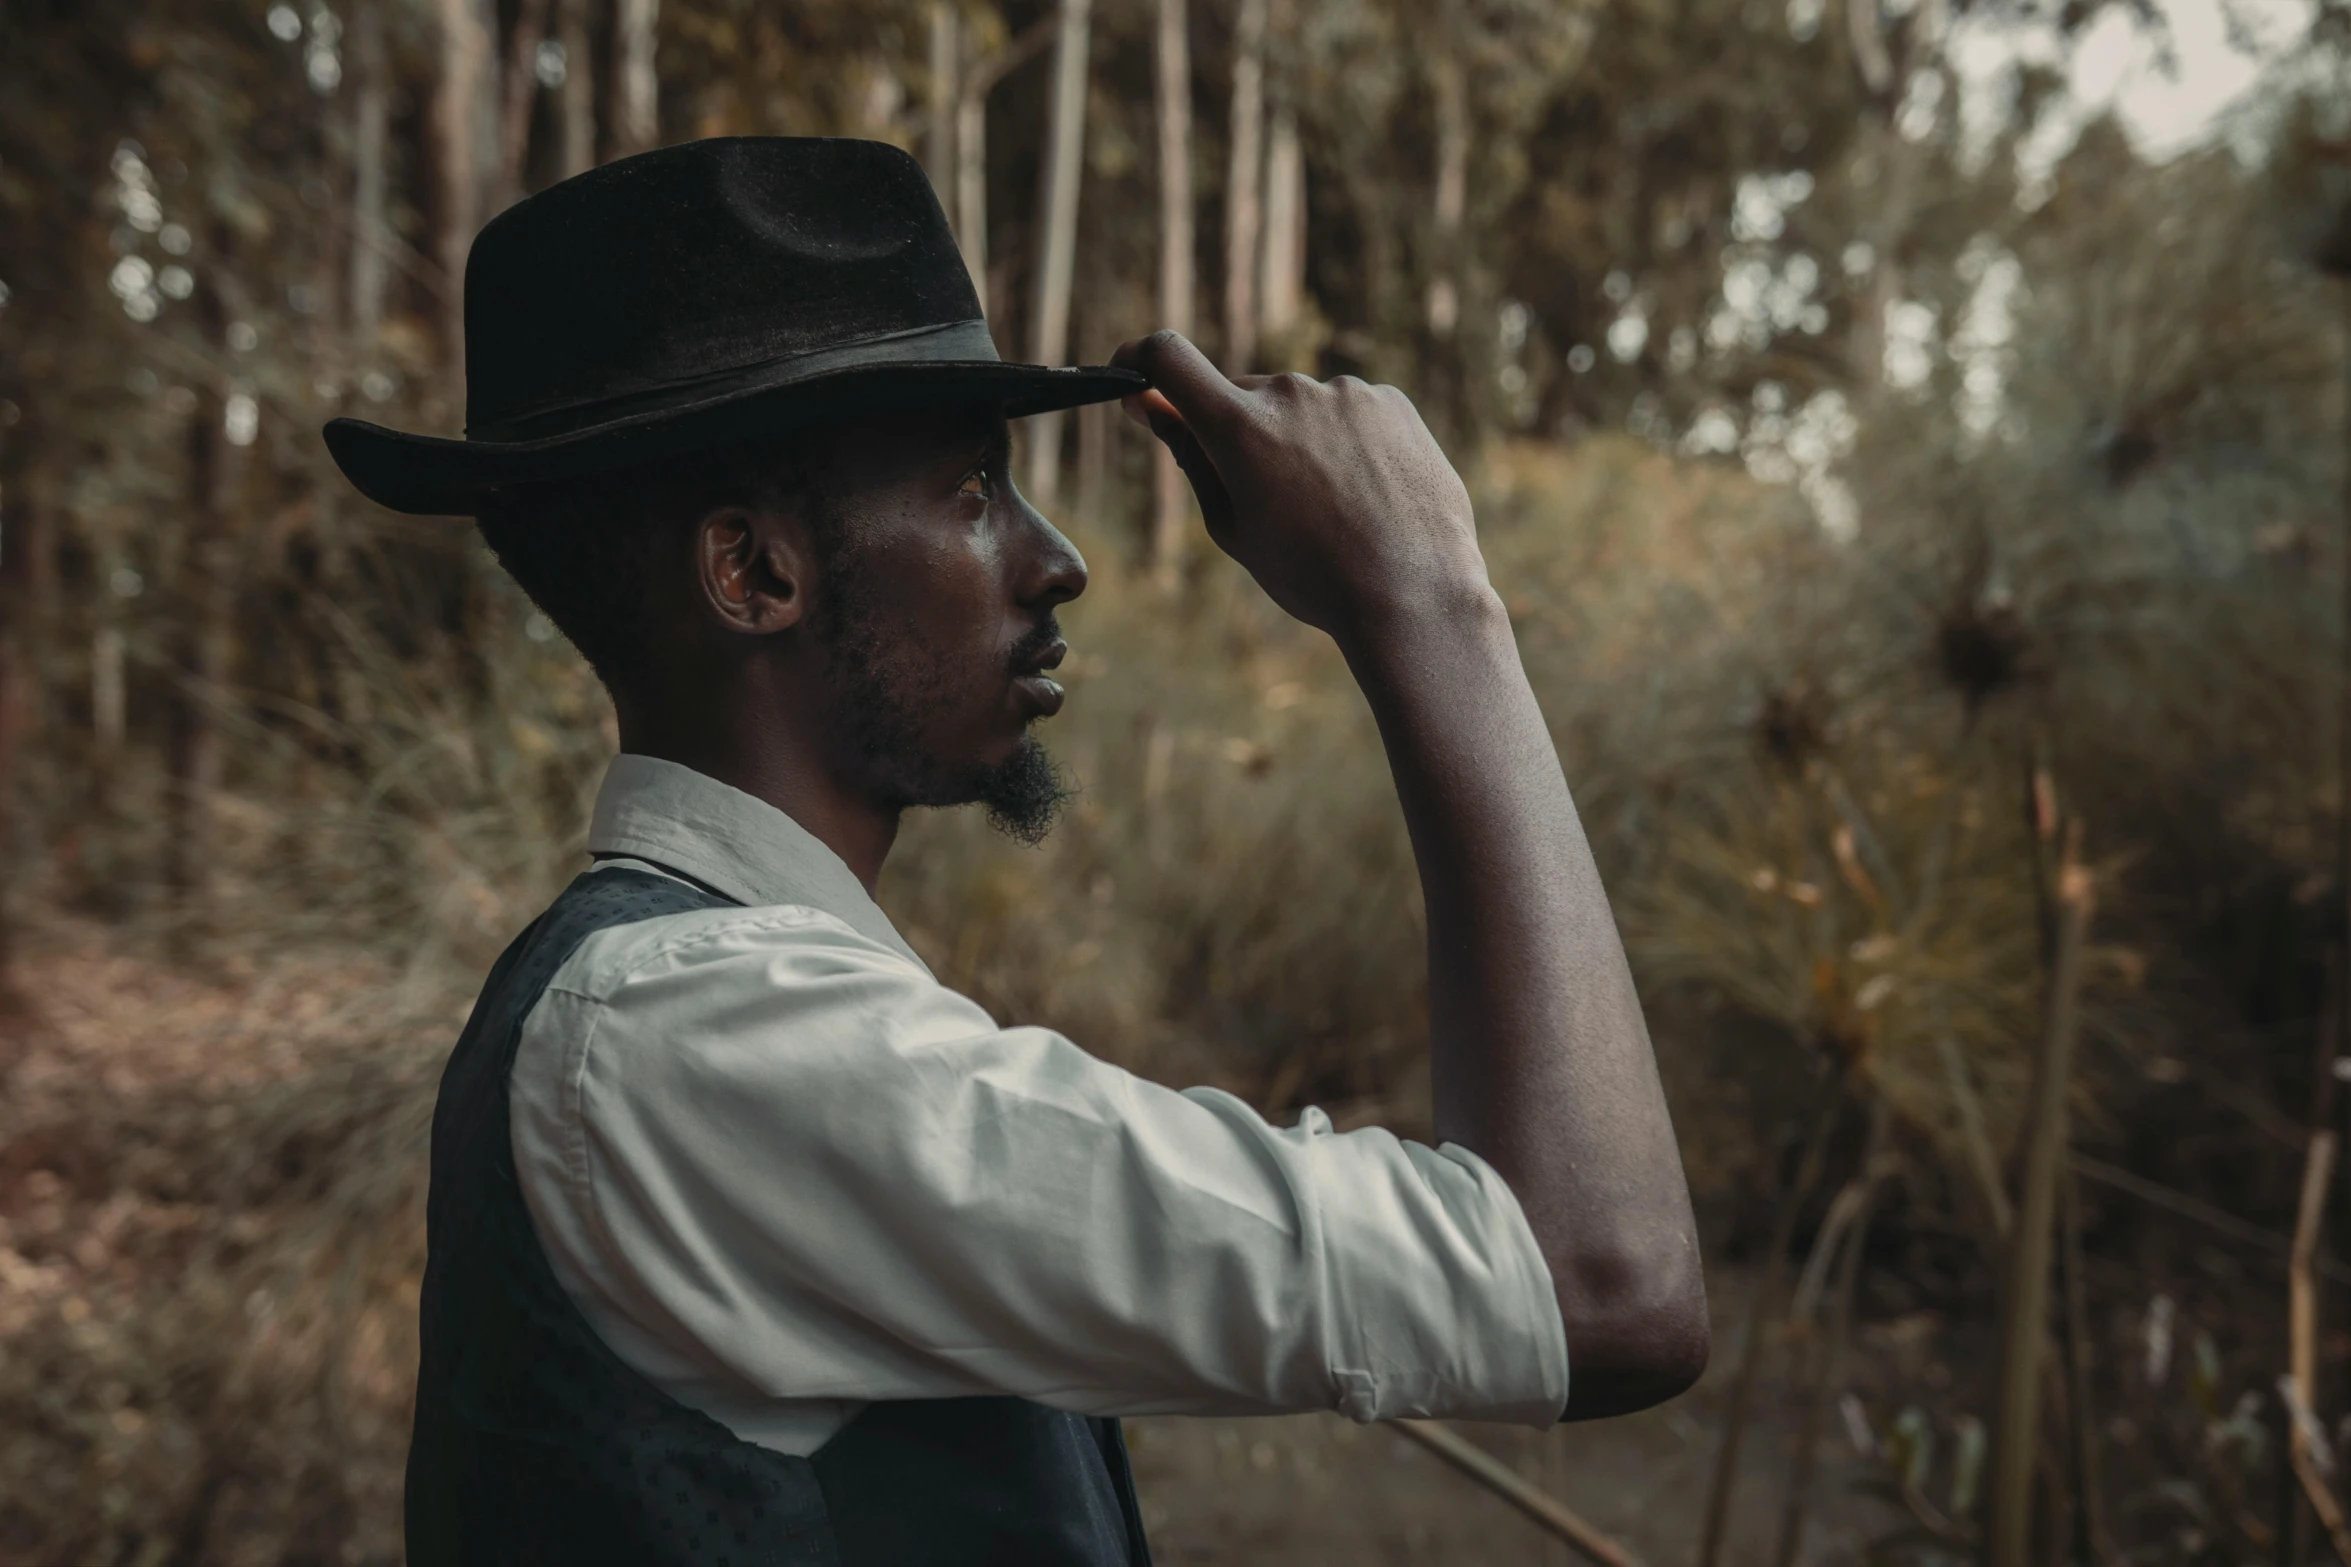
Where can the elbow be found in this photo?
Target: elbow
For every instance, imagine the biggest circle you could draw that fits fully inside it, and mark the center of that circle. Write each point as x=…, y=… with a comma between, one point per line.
x=1637, y=1335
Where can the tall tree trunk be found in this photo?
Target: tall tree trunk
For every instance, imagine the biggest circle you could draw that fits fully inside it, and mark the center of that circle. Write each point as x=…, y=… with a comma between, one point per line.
x=198, y=752
x=1244, y=211
x=12, y=663
x=1170, y=495
x=371, y=232
x=1451, y=104
x=1281, y=288
x=466, y=46
x=109, y=700
x=206, y=634
x=1867, y=32
x=1058, y=241
x=575, y=104
x=1889, y=163
x=636, y=105
x=325, y=333
x=979, y=79
x=1097, y=456
x=883, y=102
x=24, y=587
x=946, y=78
x=971, y=175
x=520, y=97
x=2335, y=1042
x=971, y=187
x=1894, y=181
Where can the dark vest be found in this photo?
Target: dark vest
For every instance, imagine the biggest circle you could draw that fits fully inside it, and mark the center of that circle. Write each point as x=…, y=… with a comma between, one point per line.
x=535, y=1443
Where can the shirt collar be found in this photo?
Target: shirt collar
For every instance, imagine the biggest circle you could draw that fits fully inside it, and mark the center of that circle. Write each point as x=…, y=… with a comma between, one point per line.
x=740, y=845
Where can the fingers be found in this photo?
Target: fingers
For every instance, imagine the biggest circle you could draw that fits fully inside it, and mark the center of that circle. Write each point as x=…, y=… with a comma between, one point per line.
x=1152, y=410
x=1194, y=390
x=1207, y=483
x=1147, y=406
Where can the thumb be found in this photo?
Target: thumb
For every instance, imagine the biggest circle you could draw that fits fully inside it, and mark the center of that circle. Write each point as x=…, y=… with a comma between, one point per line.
x=1193, y=389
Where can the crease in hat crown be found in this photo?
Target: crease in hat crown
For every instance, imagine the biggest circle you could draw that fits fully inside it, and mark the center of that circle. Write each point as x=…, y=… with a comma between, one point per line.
x=683, y=295
x=848, y=231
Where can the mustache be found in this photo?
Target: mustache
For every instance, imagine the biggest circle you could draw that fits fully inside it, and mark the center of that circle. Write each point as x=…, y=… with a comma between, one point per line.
x=1042, y=642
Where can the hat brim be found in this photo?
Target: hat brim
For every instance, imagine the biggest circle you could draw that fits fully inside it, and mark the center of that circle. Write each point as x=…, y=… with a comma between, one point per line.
x=433, y=476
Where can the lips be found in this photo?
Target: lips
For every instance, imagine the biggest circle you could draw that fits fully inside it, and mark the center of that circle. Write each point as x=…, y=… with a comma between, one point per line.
x=1035, y=662
x=1042, y=694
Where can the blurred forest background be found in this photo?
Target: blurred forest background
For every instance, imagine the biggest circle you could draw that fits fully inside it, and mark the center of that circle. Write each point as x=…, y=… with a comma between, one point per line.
x=1920, y=490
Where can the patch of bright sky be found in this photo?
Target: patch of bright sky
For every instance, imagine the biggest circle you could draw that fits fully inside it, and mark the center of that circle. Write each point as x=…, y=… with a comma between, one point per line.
x=2169, y=94
x=2170, y=91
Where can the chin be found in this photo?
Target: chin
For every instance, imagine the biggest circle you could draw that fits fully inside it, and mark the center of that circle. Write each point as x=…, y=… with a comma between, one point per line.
x=1024, y=793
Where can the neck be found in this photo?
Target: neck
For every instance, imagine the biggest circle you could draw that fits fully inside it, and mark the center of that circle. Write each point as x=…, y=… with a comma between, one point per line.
x=768, y=762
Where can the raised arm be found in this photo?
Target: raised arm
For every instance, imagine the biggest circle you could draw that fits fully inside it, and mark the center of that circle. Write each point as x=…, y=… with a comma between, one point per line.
x=1338, y=501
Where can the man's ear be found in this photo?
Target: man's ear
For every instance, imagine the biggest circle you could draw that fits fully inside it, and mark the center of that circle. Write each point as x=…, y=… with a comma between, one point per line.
x=754, y=569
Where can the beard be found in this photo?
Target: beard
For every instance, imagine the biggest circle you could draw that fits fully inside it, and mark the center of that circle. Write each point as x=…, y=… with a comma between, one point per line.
x=888, y=684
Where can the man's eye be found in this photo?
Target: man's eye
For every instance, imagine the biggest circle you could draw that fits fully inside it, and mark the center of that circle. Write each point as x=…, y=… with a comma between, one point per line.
x=975, y=483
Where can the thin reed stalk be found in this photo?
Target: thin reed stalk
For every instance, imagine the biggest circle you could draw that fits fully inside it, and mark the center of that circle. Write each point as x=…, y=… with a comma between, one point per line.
x=1828, y=1352
x=2306, y=1438
x=1981, y=1160
x=2024, y=1305
x=1553, y=1515
x=1767, y=1288
x=2091, y=1541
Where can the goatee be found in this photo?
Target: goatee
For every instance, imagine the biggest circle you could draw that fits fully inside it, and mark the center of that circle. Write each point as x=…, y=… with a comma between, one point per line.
x=1024, y=793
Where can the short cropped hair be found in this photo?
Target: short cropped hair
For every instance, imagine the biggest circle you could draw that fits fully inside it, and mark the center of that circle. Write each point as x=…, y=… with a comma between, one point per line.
x=585, y=550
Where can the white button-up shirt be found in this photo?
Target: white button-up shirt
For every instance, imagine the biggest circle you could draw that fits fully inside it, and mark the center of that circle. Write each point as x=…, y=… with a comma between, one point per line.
x=784, y=1172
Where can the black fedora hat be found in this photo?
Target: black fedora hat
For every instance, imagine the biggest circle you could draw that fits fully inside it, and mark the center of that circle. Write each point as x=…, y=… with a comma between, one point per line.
x=699, y=294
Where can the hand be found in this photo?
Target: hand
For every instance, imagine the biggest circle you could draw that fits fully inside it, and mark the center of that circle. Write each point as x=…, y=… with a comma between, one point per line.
x=1337, y=500
x=1333, y=494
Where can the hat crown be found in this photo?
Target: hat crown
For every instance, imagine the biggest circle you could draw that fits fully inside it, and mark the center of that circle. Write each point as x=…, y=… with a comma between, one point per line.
x=699, y=260
x=710, y=292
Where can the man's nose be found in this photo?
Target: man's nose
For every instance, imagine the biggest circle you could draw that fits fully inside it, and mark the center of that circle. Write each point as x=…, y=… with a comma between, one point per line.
x=1052, y=570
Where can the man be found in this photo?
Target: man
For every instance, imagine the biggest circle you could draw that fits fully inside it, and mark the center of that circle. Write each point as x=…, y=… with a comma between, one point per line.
x=750, y=1242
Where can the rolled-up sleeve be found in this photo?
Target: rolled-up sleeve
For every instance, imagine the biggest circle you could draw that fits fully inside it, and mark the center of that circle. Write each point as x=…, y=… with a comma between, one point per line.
x=791, y=1152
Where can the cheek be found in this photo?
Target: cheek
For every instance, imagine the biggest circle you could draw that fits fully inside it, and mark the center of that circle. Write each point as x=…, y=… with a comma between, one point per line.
x=960, y=594
x=946, y=658
x=948, y=609
x=941, y=603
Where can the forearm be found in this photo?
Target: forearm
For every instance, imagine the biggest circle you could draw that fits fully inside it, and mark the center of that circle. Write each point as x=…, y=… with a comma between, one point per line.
x=1341, y=504
x=1539, y=1056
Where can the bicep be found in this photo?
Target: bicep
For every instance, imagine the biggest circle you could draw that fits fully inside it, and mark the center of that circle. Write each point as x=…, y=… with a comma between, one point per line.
x=856, y=1186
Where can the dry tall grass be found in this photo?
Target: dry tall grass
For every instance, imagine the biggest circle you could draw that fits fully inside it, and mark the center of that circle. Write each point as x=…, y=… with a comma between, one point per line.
x=210, y=1265
x=1811, y=820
